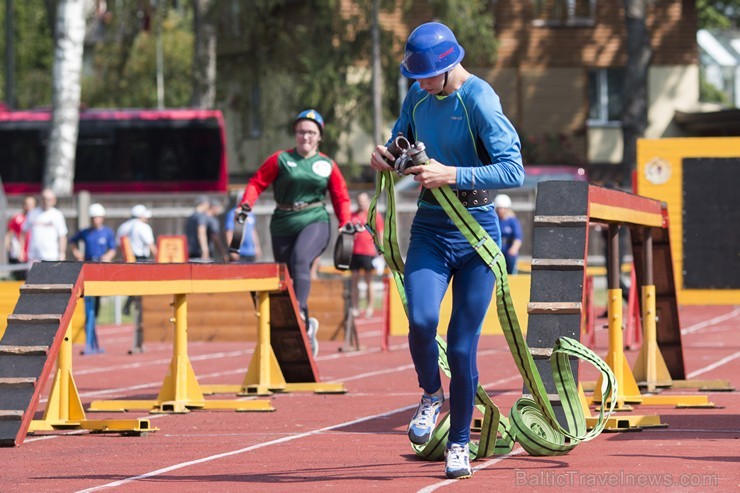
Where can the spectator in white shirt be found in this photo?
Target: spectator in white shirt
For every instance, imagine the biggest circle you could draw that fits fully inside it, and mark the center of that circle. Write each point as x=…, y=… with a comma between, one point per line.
x=139, y=233
x=141, y=240
x=47, y=238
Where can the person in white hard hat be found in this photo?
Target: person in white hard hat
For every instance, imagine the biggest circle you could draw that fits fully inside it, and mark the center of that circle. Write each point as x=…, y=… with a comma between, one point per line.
x=140, y=238
x=139, y=233
x=99, y=246
x=511, y=231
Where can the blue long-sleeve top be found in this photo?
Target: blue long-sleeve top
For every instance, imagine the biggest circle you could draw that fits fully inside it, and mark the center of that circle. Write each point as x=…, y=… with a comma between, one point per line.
x=466, y=129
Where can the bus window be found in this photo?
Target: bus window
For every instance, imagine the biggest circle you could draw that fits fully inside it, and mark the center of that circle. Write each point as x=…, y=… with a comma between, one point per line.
x=121, y=151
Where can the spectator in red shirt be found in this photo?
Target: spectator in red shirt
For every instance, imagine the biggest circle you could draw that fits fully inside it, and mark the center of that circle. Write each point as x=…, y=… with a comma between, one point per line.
x=363, y=255
x=16, y=243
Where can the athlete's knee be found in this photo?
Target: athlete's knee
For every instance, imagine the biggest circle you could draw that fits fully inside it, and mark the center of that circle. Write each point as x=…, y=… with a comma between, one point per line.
x=422, y=335
x=459, y=358
x=424, y=321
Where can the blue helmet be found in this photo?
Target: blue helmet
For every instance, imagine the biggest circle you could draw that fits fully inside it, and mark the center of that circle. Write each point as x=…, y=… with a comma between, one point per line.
x=311, y=115
x=430, y=50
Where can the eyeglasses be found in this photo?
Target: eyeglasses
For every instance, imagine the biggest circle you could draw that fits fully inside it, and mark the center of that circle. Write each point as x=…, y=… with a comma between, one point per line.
x=310, y=133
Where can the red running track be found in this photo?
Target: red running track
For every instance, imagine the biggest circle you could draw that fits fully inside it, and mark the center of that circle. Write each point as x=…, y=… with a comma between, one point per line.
x=356, y=441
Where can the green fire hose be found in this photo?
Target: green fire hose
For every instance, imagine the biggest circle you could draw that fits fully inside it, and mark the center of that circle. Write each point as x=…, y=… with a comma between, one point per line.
x=532, y=422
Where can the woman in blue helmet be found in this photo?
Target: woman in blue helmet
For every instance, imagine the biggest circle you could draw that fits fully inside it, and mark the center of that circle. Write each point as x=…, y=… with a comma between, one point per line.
x=472, y=147
x=300, y=231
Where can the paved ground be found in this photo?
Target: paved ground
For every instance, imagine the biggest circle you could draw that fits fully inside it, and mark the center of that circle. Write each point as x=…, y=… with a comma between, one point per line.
x=356, y=441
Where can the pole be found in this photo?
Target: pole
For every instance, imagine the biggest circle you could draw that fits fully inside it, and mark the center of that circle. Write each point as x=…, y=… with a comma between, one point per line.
x=9, y=56
x=160, y=58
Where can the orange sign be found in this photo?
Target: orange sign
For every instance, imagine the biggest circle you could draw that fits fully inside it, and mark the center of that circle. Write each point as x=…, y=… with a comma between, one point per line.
x=128, y=253
x=172, y=248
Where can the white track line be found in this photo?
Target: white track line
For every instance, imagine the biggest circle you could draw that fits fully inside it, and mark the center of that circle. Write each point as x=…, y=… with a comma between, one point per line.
x=710, y=322
x=201, y=377
x=280, y=441
x=485, y=464
x=714, y=365
x=161, y=361
x=245, y=449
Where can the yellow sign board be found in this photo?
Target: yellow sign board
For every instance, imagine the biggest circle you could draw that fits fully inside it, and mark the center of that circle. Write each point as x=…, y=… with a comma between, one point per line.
x=172, y=248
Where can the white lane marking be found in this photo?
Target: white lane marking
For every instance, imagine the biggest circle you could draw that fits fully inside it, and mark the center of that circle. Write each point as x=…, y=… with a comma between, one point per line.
x=278, y=441
x=708, y=323
x=714, y=365
x=433, y=487
x=161, y=361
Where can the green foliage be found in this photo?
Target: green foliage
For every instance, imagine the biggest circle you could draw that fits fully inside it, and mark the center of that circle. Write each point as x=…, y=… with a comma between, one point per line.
x=718, y=14
x=709, y=93
x=322, y=70
x=124, y=72
x=317, y=45
x=293, y=53
x=120, y=68
x=34, y=54
x=472, y=23
x=325, y=48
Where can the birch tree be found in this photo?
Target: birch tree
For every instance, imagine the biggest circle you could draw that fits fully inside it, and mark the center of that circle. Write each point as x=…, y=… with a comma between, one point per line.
x=69, y=34
x=204, y=55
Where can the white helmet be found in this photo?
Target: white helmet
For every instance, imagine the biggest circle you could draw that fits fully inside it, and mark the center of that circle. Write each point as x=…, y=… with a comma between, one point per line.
x=503, y=201
x=96, y=210
x=140, y=211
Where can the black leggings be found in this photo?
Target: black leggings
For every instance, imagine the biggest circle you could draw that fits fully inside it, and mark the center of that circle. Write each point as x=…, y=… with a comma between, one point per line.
x=299, y=252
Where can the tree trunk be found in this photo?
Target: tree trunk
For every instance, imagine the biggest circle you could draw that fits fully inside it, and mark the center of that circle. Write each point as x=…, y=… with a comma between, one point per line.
x=65, y=113
x=204, y=56
x=635, y=111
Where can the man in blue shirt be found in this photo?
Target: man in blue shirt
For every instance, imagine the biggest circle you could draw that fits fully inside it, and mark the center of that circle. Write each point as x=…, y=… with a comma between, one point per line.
x=99, y=246
x=472, y=147
x=511, y=231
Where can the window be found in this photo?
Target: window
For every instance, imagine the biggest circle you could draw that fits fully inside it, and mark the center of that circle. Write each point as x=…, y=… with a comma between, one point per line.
x=121, y=151
x=564, y=12
x=605, y=86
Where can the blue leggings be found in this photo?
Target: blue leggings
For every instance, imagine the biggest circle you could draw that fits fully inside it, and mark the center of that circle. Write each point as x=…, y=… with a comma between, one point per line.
x=299, y=252
x=92, y=306
x=437, y=254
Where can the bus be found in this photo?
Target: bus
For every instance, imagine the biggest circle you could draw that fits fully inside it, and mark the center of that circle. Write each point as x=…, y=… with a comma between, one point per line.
x=121, y=150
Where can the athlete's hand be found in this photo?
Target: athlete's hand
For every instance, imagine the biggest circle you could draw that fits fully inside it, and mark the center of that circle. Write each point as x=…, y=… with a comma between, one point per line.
x=241, y=213
x=433, y=174
x=378, y=159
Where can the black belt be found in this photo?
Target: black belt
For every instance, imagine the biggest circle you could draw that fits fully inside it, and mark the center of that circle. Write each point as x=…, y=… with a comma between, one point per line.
x=298, y=206
x=469, y=198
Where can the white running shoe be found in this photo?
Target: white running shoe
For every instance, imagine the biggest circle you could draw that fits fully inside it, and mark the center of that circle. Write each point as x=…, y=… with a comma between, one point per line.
x=423, y=423
x=457, y=461
x=313, y=329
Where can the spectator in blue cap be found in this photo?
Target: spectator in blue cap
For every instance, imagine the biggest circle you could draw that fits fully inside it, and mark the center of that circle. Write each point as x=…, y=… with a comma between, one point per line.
x=99, y=246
